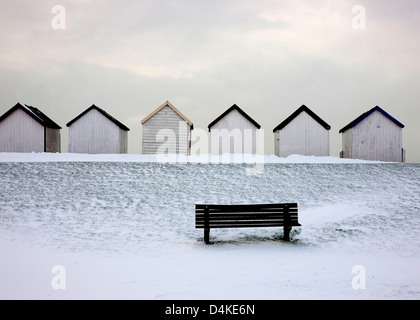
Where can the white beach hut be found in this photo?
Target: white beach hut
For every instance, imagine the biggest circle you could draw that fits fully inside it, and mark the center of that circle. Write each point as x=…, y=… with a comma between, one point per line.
x=303, y=133
x=25, y=128
x=166, y=127
x=374, y=135
x=94, y=131
x=234, y=132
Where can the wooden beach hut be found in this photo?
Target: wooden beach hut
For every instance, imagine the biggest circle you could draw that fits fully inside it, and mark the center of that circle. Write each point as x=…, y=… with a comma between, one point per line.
x=166, y=126
x=374, y=135
x=303, y=133
x=25, y=128
x=94, y=131
x=234, y=132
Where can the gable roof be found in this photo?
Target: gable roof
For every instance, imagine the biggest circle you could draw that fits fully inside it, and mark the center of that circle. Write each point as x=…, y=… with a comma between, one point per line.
x=33, y=112
x=170, y=105
x=301, y=109
x=363, y=116
x=234, y=107
x=107, y=115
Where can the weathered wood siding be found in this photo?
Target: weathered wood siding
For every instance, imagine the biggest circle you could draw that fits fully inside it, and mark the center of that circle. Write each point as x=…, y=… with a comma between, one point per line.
x=166, y=130
x=19, y=132
x=233, y=134
x=94, y=134
x=52, y=140
x=377, y=138
x=123, y=141
x=347, y=144
x=303, y=136
x=276, y=143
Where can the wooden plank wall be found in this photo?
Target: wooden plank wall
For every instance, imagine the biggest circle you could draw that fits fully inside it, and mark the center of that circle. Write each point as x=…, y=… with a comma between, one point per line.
x=53, y=140
x=377, y=138
x=233, y=134
x=123, y=141
x=346, y=141
x=303, y=136
x=94, y=134
x=166, y=123
x=19, y=132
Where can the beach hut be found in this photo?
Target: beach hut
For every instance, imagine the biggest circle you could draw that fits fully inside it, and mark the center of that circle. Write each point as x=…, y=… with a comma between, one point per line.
x=234, y=132
x=166, y=129
x=303, y=133
x=25, y=128
x=374, y=135
x=94, y=131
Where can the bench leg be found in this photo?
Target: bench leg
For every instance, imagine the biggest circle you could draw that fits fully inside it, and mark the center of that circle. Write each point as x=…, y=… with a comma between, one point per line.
x=207, y=235
x=286, y=236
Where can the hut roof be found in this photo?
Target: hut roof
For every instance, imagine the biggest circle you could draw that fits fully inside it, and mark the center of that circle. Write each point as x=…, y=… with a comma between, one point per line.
x=107, y=115
x=33, y=112
x=170, y=105
x=234, y=107
x=363, y=116
x=299, y=111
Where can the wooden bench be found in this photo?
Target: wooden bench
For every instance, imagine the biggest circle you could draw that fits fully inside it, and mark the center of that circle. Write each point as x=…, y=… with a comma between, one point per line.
x=209, y=216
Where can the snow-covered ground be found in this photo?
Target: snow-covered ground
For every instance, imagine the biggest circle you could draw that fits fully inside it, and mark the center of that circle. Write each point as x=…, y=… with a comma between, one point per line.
x=171, y=158
x=122, y=227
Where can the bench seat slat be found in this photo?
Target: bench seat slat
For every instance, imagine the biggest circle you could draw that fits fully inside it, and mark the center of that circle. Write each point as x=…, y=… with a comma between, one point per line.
x=219, y=223
x=242, y=221
x=245, y=216
x=232, y=206
x=278, y=219
x=238, y=218
x=246, y=209
x=243, y=225
x=245, y=221
x=201, y=212
x=243, y=209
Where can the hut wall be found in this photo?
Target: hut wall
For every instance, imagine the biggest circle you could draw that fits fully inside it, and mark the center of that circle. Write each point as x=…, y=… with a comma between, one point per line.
x=52, y=140
x=123, y=141
x=166, y=122
x=94, y=134
x=347, y=144
x=377, y=138
x=233, y=134
x=304, y=136
x=276, y=142
x=19, y=132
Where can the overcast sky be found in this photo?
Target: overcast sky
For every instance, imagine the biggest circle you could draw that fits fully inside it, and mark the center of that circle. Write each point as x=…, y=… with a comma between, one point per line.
x=268, y=57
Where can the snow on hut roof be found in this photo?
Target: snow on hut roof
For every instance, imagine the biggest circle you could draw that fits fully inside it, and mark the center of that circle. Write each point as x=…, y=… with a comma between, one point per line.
x=234, y=107
x=299, y=111
x=170, y=105
x=107, y=115
x=33, y=112
x=363, y=116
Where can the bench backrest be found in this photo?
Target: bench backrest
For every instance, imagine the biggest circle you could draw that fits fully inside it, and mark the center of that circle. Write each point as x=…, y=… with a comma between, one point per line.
x=242, y=216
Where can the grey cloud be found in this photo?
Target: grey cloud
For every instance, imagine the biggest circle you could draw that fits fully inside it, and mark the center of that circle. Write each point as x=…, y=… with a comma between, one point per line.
x=129, y=57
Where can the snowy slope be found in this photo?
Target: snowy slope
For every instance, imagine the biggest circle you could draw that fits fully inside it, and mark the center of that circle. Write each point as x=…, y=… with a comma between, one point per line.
x=124, y=229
